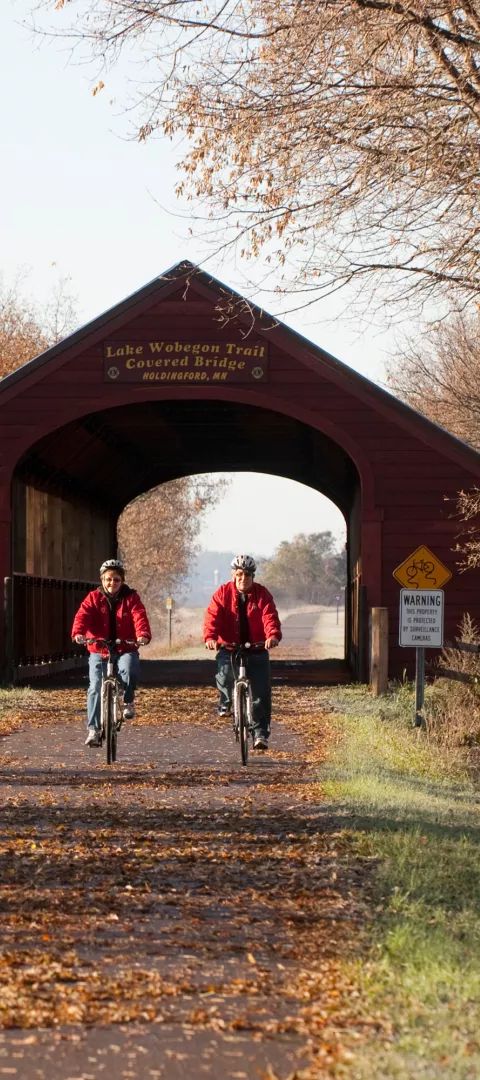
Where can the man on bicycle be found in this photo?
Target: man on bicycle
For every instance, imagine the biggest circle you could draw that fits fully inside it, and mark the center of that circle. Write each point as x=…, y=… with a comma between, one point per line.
x=111, y=611
x=242, y=610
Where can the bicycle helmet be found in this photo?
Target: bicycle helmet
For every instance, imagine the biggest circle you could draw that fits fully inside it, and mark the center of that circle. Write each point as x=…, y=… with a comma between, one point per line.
x=244, y=562
x=112, y=564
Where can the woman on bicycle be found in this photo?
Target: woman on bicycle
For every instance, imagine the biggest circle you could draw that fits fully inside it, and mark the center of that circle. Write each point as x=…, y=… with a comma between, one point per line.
x=243, y=610
x=111, y=611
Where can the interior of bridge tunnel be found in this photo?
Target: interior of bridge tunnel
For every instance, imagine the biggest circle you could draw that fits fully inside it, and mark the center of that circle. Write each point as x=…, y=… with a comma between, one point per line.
x=110, y=457
x=70, y=488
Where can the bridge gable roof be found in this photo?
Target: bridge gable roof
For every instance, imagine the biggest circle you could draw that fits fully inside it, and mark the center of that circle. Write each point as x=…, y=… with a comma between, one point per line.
x=188, y=278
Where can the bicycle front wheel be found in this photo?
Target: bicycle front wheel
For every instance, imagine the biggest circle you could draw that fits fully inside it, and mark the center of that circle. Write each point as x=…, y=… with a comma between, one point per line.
x=115, y=726
x=109, y=721
x=243, y=723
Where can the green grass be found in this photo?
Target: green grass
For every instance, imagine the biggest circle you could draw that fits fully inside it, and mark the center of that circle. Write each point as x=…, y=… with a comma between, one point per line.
x=15, y=697
x=414, y=816
x=12, y=701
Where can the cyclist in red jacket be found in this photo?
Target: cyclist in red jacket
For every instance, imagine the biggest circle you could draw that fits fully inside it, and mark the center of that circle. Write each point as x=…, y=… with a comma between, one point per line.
x=242, y=610
x=112, y=611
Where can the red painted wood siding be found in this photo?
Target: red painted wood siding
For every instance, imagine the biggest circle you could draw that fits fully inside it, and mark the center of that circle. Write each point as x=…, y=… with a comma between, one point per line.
x=412, y=470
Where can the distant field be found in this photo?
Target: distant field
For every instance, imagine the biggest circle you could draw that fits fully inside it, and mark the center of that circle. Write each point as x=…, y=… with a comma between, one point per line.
x=323, y=639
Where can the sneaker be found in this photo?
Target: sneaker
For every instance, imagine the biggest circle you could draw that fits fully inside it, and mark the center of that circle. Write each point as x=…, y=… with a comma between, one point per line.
x=128, y=712
x=93, y=738
x=225, y=710
x=260, y=742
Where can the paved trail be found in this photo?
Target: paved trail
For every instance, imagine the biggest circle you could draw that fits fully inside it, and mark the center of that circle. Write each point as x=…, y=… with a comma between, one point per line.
x=175, y=915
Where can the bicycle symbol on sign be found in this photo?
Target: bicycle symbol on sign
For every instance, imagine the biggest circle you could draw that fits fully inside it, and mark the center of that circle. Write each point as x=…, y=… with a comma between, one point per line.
x=422, y=570
x=424, y=567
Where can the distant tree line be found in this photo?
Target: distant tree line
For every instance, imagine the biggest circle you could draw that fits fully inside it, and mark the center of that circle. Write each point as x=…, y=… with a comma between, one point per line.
x=308, y=569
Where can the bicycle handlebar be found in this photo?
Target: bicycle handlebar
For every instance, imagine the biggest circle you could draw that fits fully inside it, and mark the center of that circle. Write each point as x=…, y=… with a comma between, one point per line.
x=241, y=645
x=105, y=641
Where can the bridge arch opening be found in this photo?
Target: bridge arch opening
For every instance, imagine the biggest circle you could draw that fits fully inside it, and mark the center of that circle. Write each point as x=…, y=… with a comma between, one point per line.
x=296, y=535
x=70, y=487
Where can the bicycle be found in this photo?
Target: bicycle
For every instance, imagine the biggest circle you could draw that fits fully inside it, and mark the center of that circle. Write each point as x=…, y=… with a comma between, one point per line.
x=111, y=700
x=242, y=697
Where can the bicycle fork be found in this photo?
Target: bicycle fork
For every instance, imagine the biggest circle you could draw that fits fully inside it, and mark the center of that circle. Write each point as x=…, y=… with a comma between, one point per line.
x=241, y=683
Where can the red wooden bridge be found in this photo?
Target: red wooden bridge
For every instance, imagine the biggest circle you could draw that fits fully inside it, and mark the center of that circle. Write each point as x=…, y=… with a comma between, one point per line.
x=186, y=377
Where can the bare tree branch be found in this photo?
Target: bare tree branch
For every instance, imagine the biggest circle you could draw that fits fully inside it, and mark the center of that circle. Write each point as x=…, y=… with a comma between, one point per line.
x=440, y=376
x=337, y=139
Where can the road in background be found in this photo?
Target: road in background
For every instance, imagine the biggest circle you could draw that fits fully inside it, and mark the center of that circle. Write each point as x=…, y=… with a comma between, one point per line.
x=309, y=633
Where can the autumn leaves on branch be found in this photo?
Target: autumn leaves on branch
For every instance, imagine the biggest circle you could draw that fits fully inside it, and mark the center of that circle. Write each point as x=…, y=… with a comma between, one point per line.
x=336, y=139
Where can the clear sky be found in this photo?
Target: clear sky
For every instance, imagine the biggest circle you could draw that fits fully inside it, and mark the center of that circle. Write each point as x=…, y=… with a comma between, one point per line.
x=260, y=511
x=78, y=199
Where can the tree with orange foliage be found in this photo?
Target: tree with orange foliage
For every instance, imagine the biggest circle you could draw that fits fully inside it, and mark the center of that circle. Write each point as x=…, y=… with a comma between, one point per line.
x=21, y=334
x=338, y=137
x=157, y=536
x=25, y=331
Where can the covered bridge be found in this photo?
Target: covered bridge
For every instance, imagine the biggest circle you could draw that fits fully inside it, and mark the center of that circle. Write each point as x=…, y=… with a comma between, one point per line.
x=186, y=377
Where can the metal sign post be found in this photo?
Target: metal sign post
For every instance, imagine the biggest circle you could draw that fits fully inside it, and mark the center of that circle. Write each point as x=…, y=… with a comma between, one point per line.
x=419, y=686
x=169, y=604
x=421, y=626
x=421, y=612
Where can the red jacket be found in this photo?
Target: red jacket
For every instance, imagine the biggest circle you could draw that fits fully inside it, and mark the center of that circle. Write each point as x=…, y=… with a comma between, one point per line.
x=93, y=619
x=222, y=621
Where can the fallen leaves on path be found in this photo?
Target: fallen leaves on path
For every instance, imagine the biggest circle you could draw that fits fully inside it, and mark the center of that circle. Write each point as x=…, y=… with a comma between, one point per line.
x=181, y=890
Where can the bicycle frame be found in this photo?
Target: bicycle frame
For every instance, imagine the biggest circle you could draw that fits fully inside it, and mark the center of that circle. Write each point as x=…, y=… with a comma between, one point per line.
x=242, y=698
x=111, y=705
x=111, y=700
x=240, y=679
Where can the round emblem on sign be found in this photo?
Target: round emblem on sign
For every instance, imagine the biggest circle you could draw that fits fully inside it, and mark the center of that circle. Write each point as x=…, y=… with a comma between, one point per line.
x=257, y=372
x=113, y=373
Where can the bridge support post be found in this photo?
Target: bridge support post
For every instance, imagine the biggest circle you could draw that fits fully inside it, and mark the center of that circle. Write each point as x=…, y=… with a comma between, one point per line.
x=379, y=651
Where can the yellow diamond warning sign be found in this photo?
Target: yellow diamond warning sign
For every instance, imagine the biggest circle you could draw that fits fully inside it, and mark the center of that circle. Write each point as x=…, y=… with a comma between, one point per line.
x=422, y=570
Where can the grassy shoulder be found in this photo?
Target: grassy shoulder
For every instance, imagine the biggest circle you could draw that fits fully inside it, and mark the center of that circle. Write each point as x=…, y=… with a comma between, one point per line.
x=13, y=702
x=412, y=815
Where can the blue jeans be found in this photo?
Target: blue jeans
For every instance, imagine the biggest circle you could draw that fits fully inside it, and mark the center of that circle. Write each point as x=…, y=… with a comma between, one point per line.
x=127, y=667
x=258, y=671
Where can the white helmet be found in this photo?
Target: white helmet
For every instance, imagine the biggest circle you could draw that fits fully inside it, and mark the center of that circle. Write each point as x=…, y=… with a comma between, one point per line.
x=244, y=562
x=112, y=564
